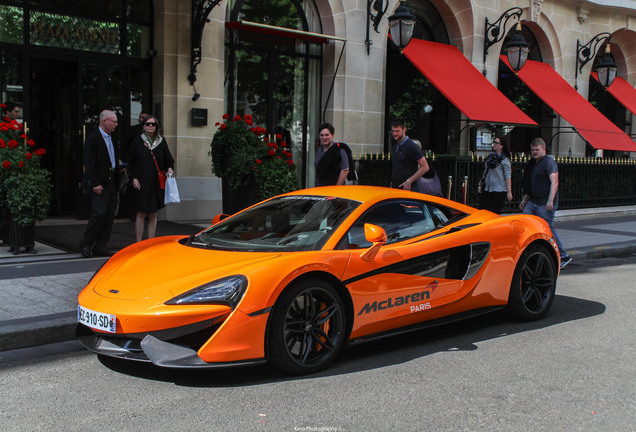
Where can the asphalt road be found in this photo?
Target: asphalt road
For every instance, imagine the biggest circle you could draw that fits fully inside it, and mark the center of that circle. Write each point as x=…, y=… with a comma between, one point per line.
x=573, y=371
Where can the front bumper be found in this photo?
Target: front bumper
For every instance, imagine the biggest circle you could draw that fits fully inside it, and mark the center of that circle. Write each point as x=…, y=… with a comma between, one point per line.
x=174, y=348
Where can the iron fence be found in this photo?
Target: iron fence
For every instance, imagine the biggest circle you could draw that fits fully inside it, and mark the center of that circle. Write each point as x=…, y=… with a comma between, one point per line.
x=583, y=182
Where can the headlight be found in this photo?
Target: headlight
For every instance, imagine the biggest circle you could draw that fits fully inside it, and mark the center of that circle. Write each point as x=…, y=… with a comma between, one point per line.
x=227, y=291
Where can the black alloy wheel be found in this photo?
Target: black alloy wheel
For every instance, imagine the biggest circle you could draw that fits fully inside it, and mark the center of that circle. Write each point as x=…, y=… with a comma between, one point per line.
x=533, y=284
x=307, y=327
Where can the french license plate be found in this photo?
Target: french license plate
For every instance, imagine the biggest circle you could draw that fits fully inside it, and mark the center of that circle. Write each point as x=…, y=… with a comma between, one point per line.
x=97, y=320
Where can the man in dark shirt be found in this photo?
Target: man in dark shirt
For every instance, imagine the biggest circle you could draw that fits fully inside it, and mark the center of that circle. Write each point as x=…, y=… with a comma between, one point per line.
x=541, y=191
x=408, y=163
x=332, y=162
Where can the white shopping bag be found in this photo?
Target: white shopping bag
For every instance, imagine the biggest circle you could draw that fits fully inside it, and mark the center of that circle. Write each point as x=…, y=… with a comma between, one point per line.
x=172, y=192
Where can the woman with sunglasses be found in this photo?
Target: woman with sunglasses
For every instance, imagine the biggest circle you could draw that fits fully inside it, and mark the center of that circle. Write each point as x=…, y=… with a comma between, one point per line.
x=148, y=156
x=497, y=185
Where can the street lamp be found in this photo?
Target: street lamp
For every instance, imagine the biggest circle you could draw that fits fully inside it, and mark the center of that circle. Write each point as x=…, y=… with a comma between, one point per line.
x=496, y=31
x=401, y=23
x=585, y=53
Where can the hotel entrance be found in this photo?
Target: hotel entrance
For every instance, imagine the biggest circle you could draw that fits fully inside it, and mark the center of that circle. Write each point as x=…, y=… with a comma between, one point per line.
x=63, y=67
x=66, y=97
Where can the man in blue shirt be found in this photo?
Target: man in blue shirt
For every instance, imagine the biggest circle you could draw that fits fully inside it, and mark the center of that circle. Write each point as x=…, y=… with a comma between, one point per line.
x=541, y=191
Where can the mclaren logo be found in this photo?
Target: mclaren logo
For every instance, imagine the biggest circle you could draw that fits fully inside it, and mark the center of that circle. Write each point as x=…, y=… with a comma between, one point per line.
x=410, y=299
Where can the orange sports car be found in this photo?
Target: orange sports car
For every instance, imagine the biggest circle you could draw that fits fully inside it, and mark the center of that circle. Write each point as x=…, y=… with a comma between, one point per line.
x=293, y=279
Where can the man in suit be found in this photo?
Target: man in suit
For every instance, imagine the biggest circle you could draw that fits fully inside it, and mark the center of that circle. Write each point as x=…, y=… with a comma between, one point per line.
x=100, y=181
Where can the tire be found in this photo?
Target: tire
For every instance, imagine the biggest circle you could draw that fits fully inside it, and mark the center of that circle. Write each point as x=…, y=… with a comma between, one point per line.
x=533, y=285
x=307, y=328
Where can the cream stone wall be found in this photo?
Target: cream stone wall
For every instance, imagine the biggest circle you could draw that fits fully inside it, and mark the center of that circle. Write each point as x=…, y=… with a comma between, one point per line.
x=200, y=190
x=356, y=103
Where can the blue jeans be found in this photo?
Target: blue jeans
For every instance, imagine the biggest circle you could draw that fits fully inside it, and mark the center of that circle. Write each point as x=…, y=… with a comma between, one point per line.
x=548, y=216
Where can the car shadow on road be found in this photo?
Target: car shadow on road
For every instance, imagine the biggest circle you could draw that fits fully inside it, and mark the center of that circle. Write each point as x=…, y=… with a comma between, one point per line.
x=459, y=336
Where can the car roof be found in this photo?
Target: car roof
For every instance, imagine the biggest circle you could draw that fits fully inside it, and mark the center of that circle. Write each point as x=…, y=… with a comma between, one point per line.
x=375, y=194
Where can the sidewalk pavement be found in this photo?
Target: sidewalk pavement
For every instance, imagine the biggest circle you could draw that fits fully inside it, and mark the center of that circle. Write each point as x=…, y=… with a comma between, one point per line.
x=38, y=293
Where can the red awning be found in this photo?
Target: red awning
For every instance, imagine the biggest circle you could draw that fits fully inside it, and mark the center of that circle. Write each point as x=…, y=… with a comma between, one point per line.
x=462, y=84
x=552, y=89
x=623, y=92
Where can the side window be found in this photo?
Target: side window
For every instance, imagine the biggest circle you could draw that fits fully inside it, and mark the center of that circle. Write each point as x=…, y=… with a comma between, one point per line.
x=401, y=219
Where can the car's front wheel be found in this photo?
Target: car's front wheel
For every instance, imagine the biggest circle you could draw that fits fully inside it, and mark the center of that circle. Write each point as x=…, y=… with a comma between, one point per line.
x=533, y=285
x=307, y=327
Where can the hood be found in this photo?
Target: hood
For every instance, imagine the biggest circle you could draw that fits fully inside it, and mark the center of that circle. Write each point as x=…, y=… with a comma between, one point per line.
x=163, y=268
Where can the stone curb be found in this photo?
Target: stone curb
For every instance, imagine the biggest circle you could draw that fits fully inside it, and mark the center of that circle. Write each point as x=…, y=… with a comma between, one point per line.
x=30, y=332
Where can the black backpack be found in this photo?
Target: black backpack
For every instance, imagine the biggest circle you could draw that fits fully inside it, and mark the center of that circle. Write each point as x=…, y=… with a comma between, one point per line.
x=353, y=175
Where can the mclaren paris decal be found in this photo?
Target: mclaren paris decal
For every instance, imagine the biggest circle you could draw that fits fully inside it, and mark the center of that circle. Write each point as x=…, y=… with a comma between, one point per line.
x=392, y=302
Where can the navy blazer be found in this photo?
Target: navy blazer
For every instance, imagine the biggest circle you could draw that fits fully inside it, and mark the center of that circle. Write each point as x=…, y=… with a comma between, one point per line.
x=97, y=166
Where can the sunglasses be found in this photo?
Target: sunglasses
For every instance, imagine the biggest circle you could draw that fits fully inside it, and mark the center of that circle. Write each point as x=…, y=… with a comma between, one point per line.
x=150, y=124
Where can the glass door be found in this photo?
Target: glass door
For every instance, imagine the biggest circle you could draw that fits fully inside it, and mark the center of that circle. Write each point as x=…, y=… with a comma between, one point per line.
x=53, y=125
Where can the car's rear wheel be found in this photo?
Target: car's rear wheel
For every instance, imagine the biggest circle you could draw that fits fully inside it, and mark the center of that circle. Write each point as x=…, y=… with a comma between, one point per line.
x=307, y=327
x=533, y=285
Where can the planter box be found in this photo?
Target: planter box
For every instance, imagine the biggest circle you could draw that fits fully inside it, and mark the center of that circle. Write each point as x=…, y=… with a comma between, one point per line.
x=21, y=237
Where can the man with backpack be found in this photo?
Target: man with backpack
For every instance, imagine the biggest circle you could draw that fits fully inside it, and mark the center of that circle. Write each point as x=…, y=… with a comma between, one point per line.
x=334, y=162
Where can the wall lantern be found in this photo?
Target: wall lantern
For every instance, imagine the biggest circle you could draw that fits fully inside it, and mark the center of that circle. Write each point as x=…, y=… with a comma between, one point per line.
x=496, y=31
x=606, y=69
x=584, y=53
x=401, y=23
x=517, y=50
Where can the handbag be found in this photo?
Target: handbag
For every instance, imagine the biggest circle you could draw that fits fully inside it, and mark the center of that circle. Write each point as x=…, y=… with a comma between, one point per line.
x=482, y=182
x=162, y=173
x=430, y=186
x=172, y=191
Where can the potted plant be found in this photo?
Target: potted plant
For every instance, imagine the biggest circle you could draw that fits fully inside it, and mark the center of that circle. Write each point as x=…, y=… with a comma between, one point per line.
x=252, y=166
x=25, y=187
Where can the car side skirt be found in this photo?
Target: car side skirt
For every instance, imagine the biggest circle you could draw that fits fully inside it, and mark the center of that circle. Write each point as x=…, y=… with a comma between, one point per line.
x=425, y=324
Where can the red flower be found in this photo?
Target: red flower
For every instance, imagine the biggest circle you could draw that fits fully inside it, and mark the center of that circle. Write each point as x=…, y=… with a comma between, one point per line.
x=30, y=143
x=2, y=105
x=217, y=123
x=248, y=122
x=236, y=118
x=290, y=162
x=283, y=143
x=21, y=164
x=258, y=161
x=2, y=144
x=29, y=156
x=279, y=136
x=247, y=117
x=223, y=126
x=226, y=116
x=23, y=136
x=6, y=164
x=13, y=144
x=272, y=152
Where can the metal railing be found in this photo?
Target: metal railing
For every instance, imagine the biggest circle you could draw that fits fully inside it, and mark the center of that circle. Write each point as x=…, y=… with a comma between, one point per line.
x=583, y=182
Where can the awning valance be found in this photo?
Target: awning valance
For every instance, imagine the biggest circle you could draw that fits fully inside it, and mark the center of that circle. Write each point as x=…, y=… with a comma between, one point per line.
x=590, y=123
x=462, y=84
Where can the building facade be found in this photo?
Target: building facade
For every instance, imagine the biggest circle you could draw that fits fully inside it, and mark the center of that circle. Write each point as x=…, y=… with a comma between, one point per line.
x=293, y=64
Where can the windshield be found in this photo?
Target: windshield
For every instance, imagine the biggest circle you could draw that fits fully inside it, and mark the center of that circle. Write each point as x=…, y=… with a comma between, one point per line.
x=283, y=224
